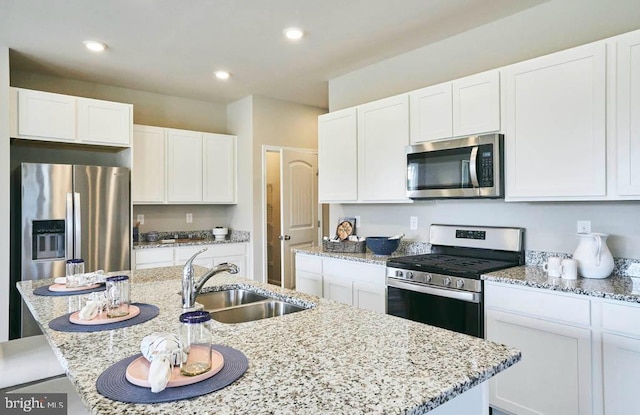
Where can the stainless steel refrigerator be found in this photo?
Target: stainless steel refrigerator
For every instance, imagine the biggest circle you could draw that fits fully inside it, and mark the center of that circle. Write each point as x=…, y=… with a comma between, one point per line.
x=72, y=211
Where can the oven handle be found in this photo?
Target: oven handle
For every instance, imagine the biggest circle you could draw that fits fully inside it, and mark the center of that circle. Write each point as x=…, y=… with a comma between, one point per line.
x=456, y=295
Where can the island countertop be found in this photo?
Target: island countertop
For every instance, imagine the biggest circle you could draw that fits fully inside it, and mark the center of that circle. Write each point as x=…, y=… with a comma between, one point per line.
x=331, y=358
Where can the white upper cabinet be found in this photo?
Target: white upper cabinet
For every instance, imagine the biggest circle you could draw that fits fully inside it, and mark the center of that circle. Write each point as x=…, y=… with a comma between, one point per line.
x=476, y=104
x=465, y=106
x=431, y=113
x=149, y=165
x=555, y=142
x=38, y=115
x=43, y=115
x=102, y=122
x=628, y=114
x=181, y=166
x=219, y=168
x=184, y=166
x=338, y=156
x=383, y=134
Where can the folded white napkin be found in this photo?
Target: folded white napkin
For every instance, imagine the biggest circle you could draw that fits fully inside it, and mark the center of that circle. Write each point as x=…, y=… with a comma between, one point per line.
x=163, y=350
x=89, y=311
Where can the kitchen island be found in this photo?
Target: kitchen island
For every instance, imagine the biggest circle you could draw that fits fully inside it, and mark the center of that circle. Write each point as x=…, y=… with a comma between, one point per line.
x=329, y=359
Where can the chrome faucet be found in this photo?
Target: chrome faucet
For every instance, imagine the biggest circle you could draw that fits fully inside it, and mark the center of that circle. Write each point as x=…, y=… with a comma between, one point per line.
x=191, y=288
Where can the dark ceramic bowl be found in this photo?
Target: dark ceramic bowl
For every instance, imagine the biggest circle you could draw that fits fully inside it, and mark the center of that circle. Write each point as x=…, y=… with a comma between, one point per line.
x=382, y=245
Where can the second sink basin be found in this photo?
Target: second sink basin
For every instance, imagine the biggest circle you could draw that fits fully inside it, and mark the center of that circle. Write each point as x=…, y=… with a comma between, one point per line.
x=216, y=300
x=255, y=311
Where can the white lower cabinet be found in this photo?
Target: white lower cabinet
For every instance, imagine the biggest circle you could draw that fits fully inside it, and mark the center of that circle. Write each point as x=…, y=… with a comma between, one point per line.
x=580, y=354
x=215, y=254
x=621, y=357
x=344, y=281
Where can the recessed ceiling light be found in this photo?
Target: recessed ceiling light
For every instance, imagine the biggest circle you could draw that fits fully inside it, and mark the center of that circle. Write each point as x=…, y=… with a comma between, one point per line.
x=293, y=33
x=95, y=46
x=222, y=74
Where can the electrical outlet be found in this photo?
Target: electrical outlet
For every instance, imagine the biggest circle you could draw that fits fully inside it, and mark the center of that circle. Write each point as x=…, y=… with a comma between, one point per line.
x=584, y=226
x=358, y=222
x=413, y=223
x=140, y=218
x=189, y=217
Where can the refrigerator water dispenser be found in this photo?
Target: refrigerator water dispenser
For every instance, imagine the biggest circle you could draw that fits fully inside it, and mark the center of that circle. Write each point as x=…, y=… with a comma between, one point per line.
x=48, y=240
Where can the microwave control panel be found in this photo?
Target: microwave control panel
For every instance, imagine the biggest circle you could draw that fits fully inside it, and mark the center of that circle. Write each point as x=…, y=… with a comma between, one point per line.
x=485, y=159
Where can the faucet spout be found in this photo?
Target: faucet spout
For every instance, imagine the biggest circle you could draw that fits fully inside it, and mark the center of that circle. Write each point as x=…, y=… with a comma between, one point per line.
x=191, y=288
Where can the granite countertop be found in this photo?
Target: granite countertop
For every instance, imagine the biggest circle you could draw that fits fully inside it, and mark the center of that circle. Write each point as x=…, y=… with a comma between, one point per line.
x=615, y=287
x=332, y=358
x=188, y=242
x=367, y=257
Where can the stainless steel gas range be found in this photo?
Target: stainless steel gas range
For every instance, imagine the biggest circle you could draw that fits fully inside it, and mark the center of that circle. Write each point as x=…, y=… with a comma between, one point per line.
x=444, y=288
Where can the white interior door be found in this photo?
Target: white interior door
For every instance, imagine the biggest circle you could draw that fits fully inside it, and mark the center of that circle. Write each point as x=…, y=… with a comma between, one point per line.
x=299, y=204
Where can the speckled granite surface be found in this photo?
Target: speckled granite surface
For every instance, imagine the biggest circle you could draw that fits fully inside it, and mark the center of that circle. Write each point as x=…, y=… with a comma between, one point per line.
x=622, y=266
x=405, y=248
x=616, y=287
x=233, y=237
x=331, y=359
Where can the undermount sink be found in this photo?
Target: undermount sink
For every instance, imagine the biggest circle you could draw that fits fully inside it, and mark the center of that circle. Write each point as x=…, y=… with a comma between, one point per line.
x=217, y=300
x=240, y=306
x=255, y=311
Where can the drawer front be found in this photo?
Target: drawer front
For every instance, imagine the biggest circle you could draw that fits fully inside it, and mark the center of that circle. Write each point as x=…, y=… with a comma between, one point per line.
x=183, y=253
x=228, y=249
x=149, y=256
x=354, y=271
x=538, y=303
x=620, y=317
x=309, y=263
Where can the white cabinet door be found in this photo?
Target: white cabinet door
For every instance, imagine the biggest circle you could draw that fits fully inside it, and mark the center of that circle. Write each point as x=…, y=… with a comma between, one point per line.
x=104, y=122
x=555, y=126
x=153, y=258
x=219, y=168
x=337, y=289
x=148, y=173
x=628, y=110
x=369, y=296
x=383, y=134
x=184, y=166
x=338, y=156
x=476, y=104
x=431, y=113
x=621, y=364
x=238, y=260
x=554, y=376
x=309, y=282
x=46, y=116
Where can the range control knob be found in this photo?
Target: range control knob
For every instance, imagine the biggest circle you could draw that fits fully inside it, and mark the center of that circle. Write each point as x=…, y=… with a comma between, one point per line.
x=428, y=277
x=410, y=275
x=446, y=281
x=459, y=284
x=398, y=273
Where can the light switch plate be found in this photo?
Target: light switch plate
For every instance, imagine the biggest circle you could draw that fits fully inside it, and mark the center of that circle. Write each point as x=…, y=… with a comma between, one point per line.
x=584, y=226
x=140, y=218
x=189, y=217
x=413, y=223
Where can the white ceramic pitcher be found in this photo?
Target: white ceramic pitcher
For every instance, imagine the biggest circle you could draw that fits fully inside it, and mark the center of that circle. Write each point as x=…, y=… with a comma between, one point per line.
x=593, y=255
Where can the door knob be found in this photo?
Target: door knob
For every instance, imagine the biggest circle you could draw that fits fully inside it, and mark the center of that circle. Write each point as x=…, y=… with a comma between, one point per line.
x=284, y=237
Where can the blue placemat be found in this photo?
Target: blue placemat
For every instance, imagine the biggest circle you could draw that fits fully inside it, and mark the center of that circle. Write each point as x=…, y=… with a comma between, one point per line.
x=113, y=383
x=147, y=312
x=45, y=291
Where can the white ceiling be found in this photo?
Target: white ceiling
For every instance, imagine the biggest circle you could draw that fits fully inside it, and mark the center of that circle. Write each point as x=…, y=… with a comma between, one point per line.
x=173, y=46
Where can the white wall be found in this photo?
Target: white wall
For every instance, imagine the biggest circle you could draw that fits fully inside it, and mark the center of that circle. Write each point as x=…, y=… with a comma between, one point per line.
x=549, y=27
x=4, y=190
x=240, y=124
x=148, y=108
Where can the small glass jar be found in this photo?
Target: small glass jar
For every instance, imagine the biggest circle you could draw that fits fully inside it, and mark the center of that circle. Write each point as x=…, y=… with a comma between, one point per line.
x=118, y=296
x=195, y=334
x=75, y=269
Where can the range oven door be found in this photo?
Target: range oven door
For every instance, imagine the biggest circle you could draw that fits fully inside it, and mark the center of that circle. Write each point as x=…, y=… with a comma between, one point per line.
x=454, y=310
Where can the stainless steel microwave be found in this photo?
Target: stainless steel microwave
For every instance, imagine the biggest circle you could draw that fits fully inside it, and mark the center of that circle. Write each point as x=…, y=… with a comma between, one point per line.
x=469, y=167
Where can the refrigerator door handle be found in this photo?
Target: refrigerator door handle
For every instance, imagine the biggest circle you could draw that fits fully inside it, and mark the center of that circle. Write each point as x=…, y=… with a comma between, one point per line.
x=68, y=250
x=77, y=225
